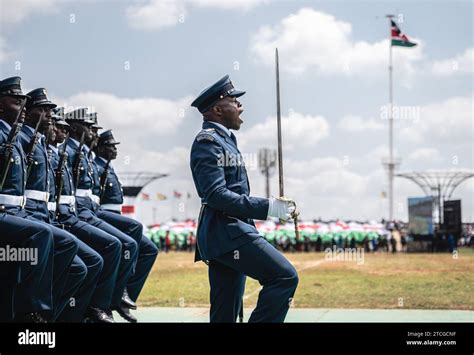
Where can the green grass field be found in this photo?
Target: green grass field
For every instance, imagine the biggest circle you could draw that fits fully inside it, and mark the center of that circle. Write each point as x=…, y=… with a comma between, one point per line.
x=406, y=281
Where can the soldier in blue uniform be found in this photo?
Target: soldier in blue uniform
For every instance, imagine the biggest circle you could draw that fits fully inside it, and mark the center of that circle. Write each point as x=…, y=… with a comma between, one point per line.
x=26, y=287
x=87, y=202
x=111, y=199
x=67, y=274
x=226, y=236
x=128, y=226
x=96, y=290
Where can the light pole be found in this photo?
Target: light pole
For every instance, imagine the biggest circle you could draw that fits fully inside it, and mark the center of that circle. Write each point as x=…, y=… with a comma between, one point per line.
x=267, y=163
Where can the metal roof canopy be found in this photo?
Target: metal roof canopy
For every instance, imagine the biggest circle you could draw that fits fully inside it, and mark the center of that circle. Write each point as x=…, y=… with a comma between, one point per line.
x=440, y=184
x=134, y=182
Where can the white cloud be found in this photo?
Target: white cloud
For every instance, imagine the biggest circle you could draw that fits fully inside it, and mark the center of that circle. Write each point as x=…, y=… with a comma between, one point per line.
x=327, y=188
x=354, y=123
x=3, y=50
x=378, y=154
x=157, y=116
x=326, y=177
x=133, y=157
x=158, y=14
x=460, y=64
x=298, y=130
x=317, y=41
x=424, y=154
x=229, y=4
x=447, y=121
x=15, y=11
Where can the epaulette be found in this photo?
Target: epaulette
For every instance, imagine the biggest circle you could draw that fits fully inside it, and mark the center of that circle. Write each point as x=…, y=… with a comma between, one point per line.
x=206, y=134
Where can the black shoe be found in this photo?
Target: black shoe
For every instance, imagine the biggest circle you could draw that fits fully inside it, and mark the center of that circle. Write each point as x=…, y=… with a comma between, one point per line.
x=124, y=312
x=33, y=317
x=109, y=313
x=97, y=315
x=127, y=301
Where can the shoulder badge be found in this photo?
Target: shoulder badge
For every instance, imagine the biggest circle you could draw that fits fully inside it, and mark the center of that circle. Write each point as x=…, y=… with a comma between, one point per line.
x=206, y=134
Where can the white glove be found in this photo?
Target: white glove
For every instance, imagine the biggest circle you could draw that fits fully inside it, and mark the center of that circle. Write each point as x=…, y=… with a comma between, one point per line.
x=281, y=208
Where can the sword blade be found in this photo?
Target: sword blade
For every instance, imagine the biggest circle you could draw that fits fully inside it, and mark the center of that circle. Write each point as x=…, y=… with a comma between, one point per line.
x=280, y=153
x=280, y=145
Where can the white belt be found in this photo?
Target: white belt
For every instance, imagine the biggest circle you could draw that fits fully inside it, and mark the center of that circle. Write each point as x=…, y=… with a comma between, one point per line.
x=83, y=193
x=88, y=193
x=52, y=206
x=67, y=200
x=96, y=199
x=112, y=207
x=37, y=195
x=12, y=200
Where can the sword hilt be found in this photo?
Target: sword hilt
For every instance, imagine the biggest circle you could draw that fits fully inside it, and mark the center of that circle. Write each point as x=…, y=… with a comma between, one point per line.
x=295, y=220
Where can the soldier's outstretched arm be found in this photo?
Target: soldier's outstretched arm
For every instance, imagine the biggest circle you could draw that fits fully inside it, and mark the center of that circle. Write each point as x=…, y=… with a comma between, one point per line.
x=211, y=179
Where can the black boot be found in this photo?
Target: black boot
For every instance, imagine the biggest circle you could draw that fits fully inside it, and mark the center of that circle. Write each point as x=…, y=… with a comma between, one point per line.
x=124, y=312
x=127, y=301
x=97, y=315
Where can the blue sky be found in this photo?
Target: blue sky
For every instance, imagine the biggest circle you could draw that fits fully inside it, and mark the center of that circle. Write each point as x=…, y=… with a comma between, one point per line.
x=333, y=75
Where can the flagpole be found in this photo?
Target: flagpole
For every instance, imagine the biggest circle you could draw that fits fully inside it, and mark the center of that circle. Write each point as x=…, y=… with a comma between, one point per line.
x=391, y=165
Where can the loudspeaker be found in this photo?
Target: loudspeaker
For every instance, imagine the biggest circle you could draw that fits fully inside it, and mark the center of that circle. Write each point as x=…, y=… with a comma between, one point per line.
x=452, y=216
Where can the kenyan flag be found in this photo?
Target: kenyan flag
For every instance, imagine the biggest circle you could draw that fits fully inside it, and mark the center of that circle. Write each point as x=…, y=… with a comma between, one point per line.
x=398, y=38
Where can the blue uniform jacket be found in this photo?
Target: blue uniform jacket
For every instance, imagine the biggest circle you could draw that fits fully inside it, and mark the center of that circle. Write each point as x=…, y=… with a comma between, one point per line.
x=68, y=184
x=113, y=193
x=39, y=175
x=220, y=177
x=15, y=180
x=95, y=175
x=85, y=206
x=67, y=213
x=85, y=175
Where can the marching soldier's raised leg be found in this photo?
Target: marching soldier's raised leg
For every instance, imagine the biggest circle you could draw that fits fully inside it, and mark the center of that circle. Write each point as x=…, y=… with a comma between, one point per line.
x=227, y=236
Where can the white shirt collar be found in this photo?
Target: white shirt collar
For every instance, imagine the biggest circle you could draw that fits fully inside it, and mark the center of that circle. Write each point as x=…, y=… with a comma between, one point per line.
x=105, y=161
x=225, y=129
